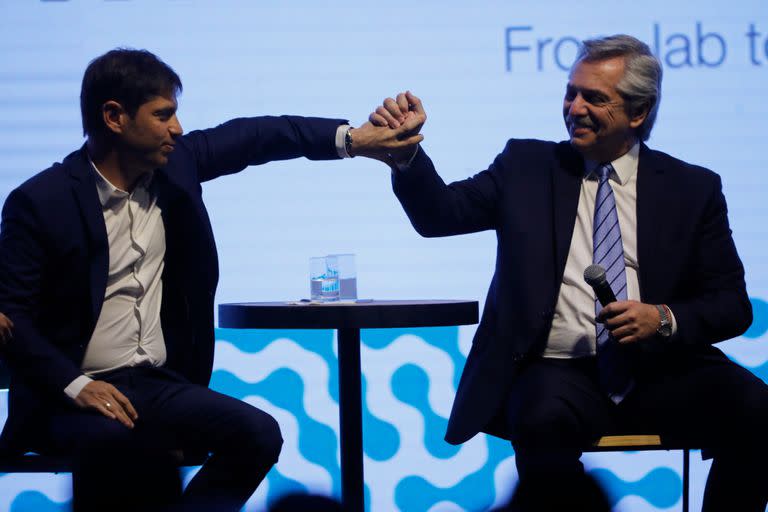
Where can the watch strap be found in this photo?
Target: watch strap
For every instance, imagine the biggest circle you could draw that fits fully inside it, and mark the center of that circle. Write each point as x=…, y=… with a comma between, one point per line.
x=665, y=324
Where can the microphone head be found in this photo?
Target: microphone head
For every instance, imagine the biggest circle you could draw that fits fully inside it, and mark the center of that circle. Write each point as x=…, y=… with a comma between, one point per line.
x=594, y=275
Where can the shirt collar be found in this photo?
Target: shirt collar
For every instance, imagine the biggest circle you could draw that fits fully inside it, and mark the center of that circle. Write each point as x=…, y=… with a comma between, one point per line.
x=107, y=190
x=624, y=167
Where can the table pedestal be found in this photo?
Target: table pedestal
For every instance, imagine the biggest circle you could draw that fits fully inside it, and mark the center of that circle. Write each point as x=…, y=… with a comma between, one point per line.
x=348, y=319
x=351, y=420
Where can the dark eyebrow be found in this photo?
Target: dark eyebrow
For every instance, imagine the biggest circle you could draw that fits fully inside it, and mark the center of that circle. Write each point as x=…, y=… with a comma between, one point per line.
x=587, y=93
x=168, y=111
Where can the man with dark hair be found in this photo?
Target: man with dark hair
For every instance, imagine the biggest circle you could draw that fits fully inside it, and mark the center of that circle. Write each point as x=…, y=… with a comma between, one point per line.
x=134, y=77
x=550, y=368
x=108, y=270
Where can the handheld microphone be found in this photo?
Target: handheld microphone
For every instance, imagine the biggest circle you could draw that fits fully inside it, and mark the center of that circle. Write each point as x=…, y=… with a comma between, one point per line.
x=594, y=275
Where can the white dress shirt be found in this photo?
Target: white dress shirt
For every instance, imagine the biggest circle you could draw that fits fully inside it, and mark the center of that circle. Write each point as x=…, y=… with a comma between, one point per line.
x=128, y=331
x=573, y=326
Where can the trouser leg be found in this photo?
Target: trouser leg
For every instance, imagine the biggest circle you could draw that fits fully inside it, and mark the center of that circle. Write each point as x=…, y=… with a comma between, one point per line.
x=554, y=410
x=244, y=442
x=120, y=467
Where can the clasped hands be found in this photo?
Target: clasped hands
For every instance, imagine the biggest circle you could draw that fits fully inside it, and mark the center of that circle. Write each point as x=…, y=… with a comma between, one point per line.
x=392, y=131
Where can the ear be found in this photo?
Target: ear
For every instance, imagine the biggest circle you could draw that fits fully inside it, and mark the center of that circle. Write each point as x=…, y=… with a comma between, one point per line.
x=114, y=116
x=636, y=119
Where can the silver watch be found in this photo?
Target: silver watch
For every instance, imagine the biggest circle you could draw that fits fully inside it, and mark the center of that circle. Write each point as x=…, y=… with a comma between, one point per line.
x=665, y=327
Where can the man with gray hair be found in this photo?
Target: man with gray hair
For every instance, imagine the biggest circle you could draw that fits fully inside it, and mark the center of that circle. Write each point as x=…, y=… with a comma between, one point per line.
x=555, y=364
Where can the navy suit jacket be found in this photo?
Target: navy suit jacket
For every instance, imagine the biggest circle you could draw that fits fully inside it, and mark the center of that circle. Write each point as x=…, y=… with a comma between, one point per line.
x=529, y=196
x=54, y=258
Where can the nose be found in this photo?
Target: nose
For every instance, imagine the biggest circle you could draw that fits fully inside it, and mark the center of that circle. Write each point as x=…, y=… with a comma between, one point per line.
x=174, y=127
x=577, y=106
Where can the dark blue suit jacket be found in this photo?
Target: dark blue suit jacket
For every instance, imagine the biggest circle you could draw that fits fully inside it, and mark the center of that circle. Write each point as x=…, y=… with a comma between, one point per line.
x=54, y=258
x=529, y=196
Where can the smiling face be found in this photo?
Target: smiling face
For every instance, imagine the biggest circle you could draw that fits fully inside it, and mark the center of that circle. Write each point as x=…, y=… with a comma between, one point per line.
x=595, y=114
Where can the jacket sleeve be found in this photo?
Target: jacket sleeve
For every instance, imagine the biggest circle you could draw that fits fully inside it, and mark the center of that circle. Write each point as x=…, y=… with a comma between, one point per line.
x=436, y=209
x=236, y=144
x=717, y=306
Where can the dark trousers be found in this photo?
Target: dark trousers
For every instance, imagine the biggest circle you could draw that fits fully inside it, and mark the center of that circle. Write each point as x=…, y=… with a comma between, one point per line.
x=556, y=408
x=131, y=469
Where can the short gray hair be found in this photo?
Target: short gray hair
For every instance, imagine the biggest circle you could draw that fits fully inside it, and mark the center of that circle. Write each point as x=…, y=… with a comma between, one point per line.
x=641, y=84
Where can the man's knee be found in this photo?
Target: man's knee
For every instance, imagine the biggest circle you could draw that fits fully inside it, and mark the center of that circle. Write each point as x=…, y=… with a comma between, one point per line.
x=547, y=424
x=271, y=438
x=258, y=432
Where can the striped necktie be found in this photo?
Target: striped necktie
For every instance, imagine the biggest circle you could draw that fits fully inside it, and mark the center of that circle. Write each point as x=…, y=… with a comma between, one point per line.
x=608, y=252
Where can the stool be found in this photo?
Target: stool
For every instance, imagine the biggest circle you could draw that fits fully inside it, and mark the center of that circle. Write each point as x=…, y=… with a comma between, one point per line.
x=642, y=442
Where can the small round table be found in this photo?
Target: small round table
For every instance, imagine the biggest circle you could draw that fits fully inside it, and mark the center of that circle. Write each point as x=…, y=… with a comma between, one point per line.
x=348, y=318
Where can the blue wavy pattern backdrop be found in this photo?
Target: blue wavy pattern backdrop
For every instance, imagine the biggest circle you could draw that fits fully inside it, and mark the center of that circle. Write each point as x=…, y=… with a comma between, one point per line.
x=410, y=376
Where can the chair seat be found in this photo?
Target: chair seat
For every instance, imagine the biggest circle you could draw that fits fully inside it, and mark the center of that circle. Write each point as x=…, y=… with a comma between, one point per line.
x=629, y=442
x=638, y=442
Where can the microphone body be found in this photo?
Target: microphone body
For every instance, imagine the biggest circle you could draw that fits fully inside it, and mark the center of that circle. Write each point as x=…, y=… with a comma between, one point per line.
x=594, y=275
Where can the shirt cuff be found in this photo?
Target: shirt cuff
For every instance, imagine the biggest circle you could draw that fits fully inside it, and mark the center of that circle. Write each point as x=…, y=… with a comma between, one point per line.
x=76, y=386
x=672, y=321
x=341, y=148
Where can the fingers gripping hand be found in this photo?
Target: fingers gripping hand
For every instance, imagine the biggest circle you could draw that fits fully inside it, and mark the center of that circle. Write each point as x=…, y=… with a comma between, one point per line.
x=108, y=400
x=395, y=112
x=630, y=321
x=390, y=113
x=392, y=133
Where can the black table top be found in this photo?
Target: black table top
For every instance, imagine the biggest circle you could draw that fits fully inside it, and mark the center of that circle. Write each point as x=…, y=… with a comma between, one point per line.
x=348, y=315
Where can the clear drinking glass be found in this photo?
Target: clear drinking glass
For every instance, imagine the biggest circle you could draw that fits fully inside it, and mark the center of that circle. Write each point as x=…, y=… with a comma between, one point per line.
x=347, y=276
x=324, y=278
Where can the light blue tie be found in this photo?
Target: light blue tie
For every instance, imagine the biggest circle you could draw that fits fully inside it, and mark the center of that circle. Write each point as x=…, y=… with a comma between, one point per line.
x=608, y=252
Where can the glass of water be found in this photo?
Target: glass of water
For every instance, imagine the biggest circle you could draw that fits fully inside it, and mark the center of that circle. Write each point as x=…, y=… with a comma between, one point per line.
x=347, y=276
x=324, y=278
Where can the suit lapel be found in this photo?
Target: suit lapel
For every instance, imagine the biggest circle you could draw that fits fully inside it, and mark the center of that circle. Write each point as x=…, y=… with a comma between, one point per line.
x=566, y=185
x=87, y=199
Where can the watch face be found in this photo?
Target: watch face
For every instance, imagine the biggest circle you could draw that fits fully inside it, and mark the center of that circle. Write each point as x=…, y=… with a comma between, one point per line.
x=665, y=330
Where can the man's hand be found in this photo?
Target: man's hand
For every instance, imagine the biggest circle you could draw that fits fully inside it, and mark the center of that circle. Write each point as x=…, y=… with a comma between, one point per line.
x=6, y=332
x=394, y=113
x=393, y=131
x=630, y=321
x=105, y=398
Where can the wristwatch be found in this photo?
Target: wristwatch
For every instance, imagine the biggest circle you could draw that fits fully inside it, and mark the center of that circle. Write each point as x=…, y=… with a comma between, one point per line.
x=665, y=327
x=348, y=142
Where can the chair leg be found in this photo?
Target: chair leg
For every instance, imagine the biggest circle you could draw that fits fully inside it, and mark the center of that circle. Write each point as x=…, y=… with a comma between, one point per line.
x=686, y=477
